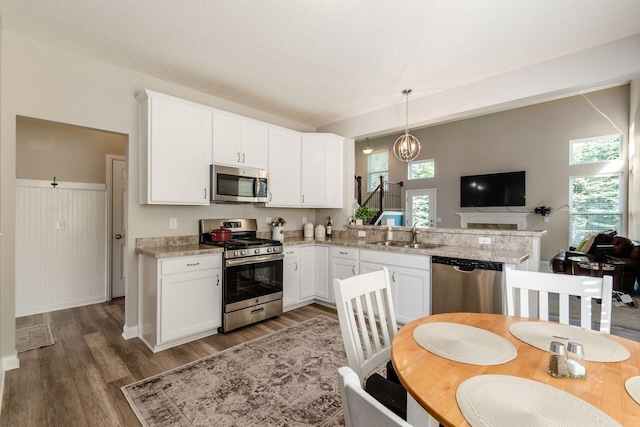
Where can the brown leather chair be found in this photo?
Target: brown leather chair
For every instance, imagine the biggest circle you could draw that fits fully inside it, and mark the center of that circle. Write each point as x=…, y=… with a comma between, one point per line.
x=625, y=250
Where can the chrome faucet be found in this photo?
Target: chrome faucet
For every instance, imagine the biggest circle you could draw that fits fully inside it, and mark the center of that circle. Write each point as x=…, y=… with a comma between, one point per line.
x=415, y=232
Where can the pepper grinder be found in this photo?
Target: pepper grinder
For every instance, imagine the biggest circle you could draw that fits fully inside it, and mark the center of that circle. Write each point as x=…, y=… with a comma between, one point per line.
x=558, y=360
x=575, y=361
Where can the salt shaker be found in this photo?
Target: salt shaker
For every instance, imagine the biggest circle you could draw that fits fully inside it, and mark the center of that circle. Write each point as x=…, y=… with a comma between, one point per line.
x=575, y=361
x=558, y=360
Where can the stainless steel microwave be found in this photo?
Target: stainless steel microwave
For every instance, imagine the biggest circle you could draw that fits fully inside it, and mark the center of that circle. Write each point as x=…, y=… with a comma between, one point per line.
x=238, y=184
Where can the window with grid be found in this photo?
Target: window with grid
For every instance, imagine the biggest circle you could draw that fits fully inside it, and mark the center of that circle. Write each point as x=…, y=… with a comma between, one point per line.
x=377, y=165
x=595, y=205
x=421, y=169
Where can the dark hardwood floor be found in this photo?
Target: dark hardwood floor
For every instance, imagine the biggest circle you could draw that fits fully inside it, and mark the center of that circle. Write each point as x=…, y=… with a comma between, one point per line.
x=76, y=381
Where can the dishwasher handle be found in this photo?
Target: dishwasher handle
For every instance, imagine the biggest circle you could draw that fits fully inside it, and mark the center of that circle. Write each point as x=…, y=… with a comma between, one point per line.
x=467, y=265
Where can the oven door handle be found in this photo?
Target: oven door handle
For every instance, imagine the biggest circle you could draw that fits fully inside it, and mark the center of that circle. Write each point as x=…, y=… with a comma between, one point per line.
x=253, y=260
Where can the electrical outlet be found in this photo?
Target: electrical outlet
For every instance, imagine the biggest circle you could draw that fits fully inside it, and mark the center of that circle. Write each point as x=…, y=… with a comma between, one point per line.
x=269, y=220
x=362, y=233
x=484, y=240
x=304, y=220
x=173, y=223
x=60, y=224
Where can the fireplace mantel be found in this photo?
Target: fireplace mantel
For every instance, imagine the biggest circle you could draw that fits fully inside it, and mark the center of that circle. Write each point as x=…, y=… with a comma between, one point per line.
x=520, y=219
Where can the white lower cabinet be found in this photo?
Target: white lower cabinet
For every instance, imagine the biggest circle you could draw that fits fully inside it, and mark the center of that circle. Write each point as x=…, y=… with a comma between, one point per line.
x=410, y=281
x=305, y=275
x=322, y=285
x=291, y=276
x=344, y=264
x=180, y=299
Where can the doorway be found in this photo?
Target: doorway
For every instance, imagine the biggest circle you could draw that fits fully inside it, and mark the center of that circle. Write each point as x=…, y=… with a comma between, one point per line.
x=420, y=208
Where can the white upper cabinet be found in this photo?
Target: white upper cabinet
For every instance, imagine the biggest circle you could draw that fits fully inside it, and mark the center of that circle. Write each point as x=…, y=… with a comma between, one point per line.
x=239, y=142
x=175, y=150
x=284, y=168
x=322, y=170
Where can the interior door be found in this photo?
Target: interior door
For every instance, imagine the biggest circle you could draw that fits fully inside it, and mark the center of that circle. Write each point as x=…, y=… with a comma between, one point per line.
x=420, y=208
x=118, y=240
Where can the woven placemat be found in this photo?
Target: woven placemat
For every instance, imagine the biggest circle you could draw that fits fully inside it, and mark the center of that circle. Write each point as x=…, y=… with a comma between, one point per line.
x=633, y=388
x=463, y=343
x=503, y=400
x=597, y=347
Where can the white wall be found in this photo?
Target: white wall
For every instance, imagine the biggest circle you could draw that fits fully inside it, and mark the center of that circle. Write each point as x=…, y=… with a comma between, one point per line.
x=44, y=82
x=534, y=139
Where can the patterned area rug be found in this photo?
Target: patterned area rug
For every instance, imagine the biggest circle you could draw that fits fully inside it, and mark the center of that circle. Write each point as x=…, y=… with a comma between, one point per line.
x=287, y=378
x=32, y=337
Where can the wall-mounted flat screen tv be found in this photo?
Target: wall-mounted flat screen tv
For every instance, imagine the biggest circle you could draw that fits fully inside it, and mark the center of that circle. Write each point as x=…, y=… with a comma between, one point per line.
x=496, y=189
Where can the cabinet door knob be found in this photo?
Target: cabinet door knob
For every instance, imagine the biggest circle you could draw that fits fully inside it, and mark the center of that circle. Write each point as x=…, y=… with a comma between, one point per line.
x=118, y=236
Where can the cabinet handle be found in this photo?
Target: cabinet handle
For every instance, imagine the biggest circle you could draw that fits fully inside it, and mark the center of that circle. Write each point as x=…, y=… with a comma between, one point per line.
x=296, y=266
x=290, y=252
x=393, y=277
x=238, y=157
x=343, y=253
x=270, y=196
x=243, y=158
x=205, y=194
x=194, y=264
x=303, y=198
x=217, y=280
x=353, y=269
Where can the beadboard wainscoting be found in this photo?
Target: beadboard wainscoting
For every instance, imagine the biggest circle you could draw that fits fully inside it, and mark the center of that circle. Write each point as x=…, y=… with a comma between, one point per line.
x=60, y=245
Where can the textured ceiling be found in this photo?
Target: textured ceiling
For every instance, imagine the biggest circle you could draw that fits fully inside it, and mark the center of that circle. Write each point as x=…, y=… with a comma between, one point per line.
x=319, y=61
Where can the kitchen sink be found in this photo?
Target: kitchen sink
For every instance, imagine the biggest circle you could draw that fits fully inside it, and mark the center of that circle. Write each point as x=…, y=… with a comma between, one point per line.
x=407, y=244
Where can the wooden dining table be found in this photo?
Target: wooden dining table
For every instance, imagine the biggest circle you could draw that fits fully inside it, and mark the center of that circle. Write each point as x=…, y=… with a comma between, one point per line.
x=432, y=381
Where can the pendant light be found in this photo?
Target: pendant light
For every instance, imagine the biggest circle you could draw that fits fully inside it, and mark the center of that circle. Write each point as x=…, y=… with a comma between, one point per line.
x=407, y=147
x=367, y=148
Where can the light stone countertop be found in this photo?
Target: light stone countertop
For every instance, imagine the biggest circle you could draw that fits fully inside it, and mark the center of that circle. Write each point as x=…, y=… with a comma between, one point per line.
x=480, y=254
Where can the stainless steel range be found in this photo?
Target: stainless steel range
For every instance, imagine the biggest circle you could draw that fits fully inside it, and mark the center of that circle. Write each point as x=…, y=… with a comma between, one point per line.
x=252, y=272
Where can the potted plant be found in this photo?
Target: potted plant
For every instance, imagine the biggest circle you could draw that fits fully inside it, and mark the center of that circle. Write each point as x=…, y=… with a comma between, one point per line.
x=364, y=213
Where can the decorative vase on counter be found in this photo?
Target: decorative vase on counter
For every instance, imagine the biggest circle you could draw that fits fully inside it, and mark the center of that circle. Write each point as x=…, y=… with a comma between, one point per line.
x=277, y=233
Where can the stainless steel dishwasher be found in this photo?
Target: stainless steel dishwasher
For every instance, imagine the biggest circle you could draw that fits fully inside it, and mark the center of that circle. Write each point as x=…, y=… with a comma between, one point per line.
x=465, y=285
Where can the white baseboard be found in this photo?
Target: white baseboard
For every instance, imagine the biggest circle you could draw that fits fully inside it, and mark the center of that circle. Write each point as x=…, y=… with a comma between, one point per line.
x=130, y=332
x=59, y=306
x=7, y=364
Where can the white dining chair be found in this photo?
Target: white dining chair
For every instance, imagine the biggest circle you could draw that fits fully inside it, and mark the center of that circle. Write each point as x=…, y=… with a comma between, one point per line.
x=586, y=287
x=360, y=408
x=368, y=326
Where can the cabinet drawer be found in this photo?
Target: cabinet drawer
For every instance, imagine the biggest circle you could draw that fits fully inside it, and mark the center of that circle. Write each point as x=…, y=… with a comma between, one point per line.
x=344, y=252
x=187, y=264
x=290, y=251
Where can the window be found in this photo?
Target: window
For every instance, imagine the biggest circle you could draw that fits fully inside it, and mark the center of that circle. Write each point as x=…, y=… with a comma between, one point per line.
x=595, y=205
x=377, y=165
x=421, y=169
x=598, y=149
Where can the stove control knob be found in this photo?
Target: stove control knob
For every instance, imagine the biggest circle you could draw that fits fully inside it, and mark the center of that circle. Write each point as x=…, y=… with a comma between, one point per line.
x=236, y=253
x=268, y=249
x=257, y=251
x=276, y=249
x=243, y=252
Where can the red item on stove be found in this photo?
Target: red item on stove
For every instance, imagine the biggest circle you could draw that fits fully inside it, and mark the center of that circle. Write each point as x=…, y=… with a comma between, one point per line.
x=221, y=235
